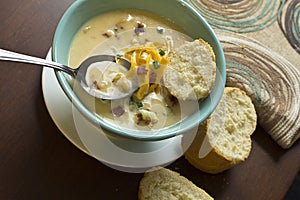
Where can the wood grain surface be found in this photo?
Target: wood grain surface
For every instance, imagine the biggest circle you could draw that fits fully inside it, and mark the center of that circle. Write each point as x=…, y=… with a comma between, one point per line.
x=38, y=162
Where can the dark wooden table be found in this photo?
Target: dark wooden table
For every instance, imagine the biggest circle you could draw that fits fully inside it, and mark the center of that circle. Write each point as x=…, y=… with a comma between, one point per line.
x=38, y=162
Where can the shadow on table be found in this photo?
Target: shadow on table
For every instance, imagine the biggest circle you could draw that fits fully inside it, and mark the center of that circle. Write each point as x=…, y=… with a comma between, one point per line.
x=265, y=141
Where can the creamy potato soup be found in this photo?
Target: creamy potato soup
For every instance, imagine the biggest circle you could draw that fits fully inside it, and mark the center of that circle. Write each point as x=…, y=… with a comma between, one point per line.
x=108, y=25
x=143, y=39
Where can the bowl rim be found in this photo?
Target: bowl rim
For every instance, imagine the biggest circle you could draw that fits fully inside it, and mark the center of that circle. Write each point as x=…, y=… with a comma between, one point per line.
x=114, y=130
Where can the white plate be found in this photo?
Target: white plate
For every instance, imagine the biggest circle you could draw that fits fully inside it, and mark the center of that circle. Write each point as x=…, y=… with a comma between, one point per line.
x=121, y=154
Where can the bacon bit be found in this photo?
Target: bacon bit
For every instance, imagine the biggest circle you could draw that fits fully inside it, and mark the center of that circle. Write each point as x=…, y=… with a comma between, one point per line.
x=106, y=35
x=118, y=111
x=119, y=26
x=141, y=121
x=95, y=85
x=139, y=117
x=153, y=77
x=141, y=25
x=141, y=70
x=138, y=31
x=140, y=28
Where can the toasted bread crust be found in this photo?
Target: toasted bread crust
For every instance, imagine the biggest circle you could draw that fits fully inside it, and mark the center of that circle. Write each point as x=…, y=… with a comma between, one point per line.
x=164, y=184
x=228, y=134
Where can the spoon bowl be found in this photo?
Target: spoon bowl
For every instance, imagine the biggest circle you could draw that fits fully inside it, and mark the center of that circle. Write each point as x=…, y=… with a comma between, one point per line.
x=78, y=73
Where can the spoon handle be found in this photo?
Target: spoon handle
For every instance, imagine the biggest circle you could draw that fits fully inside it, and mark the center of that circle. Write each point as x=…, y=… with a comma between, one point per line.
x=17, y=57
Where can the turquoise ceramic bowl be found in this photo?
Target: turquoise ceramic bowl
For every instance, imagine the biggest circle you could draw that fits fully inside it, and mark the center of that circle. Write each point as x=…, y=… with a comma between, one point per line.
x=178, y=11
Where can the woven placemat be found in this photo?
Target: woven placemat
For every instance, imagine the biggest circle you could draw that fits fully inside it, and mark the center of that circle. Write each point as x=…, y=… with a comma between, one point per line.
x=261, y=42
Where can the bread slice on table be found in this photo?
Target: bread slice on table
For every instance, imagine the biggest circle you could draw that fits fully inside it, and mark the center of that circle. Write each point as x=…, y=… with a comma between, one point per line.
x=164, y=184
x=191, y=72
x=224, y=139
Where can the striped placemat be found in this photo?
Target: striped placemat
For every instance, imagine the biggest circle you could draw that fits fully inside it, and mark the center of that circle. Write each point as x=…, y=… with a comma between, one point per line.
x=261, y=42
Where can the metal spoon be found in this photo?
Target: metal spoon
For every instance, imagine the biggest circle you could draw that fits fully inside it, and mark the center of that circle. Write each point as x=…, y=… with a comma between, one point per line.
x=79, y=73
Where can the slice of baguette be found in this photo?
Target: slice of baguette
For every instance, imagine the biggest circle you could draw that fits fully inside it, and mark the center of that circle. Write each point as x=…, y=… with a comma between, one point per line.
x=191, y=72
x=223, y=140
x=164, y=184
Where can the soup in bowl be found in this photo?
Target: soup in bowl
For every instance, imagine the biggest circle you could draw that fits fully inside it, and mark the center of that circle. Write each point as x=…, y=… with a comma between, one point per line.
x=152, y=38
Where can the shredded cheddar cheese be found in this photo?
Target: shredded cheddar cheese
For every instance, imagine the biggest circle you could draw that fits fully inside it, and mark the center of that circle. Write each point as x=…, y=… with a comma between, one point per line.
x=148, y=64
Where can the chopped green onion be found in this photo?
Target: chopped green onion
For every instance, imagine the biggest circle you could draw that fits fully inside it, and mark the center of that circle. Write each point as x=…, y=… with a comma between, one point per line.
x=156, y=64
x=161, y=52
x=139, y=104
x=131, y=102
